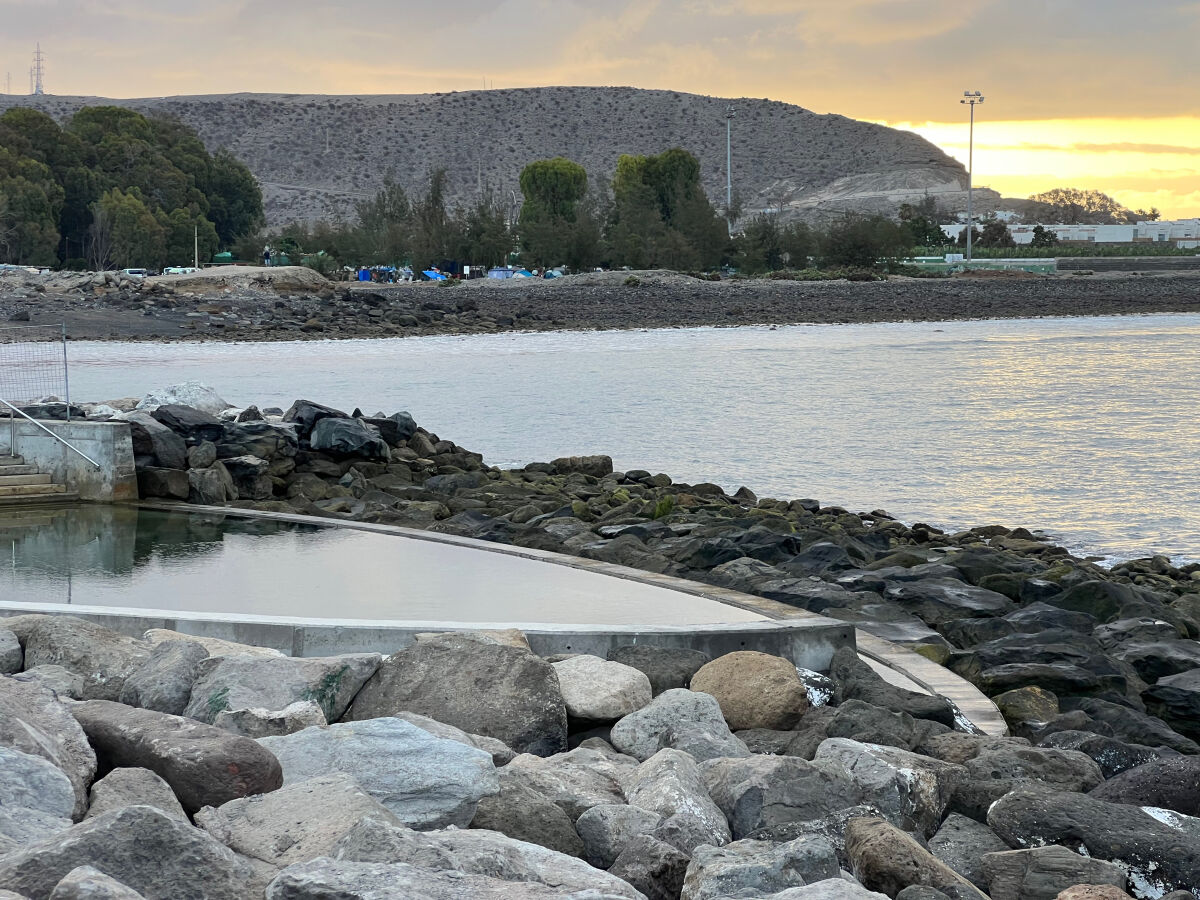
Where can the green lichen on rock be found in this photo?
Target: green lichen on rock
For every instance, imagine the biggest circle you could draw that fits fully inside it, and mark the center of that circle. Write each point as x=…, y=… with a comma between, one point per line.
x=325, y=693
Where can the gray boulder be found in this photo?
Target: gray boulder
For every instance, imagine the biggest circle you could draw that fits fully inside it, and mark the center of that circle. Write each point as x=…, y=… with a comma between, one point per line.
x=1042, y=872
x=20, y=826
x=214, y=646
x=86, y=883
x=961, y=843
x=12, y=657
x=133, y=787
x=425, y=781
x=884, y=858
x=502, y=754
x=304, y=415
x=1159, y=850
x=348, y=437
x=523, y=813
x=296, y=823
x=164, y=484
x=66, y=684
x=249, y=476
x=607, y=828
x=476, y=684
x=231, y=683
x=142, y=848
x=638, y=734
x=702, y=742
x=993, y=773
x=755, y=868
x=31, y=786
x=155, y=442
x=204, y=766
x=34, y=721
x=666, y=667
x=601, y=691
x=256, y=723
x=856, y=680
x=102, y=656
x=577, y=780
x=164, y=681
x=670, y=784
x=1167, y=783
x=653, y=867
x=829, y=889
x=211, y=486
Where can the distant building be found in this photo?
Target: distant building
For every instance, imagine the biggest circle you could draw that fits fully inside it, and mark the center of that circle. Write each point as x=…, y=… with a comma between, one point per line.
x=1182, y=232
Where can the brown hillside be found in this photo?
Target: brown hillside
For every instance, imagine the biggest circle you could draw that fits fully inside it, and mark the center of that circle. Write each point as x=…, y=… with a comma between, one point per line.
x=317, y=155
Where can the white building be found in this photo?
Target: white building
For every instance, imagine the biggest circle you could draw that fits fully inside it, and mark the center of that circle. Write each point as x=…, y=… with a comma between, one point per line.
x=1181, y=232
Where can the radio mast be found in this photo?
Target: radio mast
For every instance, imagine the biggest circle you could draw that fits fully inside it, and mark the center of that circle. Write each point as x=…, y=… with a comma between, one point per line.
x=38, y=71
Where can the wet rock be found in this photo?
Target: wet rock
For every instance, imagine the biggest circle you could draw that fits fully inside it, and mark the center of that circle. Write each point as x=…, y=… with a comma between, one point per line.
x=606, y=829
x=757, y=868
x=100, y=655
x=939, y=601
x=523, y=813
x=475, y=684
x=232, y=683
x=1132, y=726
x=886, y=859
x=1040, y=873
x=86, y=883
x=34, y=721
x=258, y=723
x=638, y=734
x=961, y=843
x=653, y=867
x=204, y=766
x=140, y=847
x=599, y=690
x=670, y=784
x=1176, y=699
x=1166, y=783
x=164, y=681
x=1154, y=660
x=348, y=437
x=425, y=781
x=856, y=680
x=576, y=780
x=754, y=690
x=666, y=667
x=133, y=787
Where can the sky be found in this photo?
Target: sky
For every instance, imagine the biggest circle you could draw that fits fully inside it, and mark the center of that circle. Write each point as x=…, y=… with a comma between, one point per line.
x=1097, y=94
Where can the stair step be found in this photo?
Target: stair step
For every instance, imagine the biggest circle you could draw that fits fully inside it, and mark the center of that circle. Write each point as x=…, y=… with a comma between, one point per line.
x=17, y=469
x=14, y=480
x=38, y=500
x=31, y=490
x=12, y=460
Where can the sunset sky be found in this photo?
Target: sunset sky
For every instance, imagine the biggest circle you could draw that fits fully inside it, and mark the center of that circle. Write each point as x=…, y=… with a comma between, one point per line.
x=1082, y=93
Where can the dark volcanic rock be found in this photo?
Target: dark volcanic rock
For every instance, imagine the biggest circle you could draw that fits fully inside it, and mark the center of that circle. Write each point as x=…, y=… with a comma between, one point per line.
x=348, y=437
x=1130, y=725
x=1111, y=755
x=188, y=422
x=1176, y=699
x=305, y=414
x=1165, y=783
x=938, y=601
x=858, y=681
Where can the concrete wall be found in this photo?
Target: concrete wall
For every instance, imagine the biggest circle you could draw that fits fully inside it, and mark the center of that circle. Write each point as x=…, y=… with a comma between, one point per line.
x=108, y=443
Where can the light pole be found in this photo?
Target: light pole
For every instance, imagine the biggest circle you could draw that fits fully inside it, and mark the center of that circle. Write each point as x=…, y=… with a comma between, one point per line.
x=970, y=98
x=729, y=114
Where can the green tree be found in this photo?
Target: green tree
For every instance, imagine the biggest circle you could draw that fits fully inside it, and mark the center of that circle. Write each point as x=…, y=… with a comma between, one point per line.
x=485, y=236
x=865, y=242
x=553, y=190
x=183, y=231
x=137, y=237
x=1072, y=206
x=995, y=234
x=1043, y=237
x=384, y=226
x=235, y=199
x=30, y=204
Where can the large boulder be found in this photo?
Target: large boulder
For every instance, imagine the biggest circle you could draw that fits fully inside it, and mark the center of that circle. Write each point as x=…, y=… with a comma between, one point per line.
x=232, y=683
x=502, y=754
x=1111, y=755
x=143, y=848
x=164, y=681
x=262, y=440
x=87, y=883
x=154, y=444
x=1166, y=783
x=856, y=680
x=598, y=690
x=993, y=773
x=31, y=788
x=1131, y=726
x=526, y=814
x=426, y=782
x=163, y=484
x=12, y=657
x=1039, y=873
x=133, y=787
x=194, y=394
x=756, y=868
x=606, y=829
x=189, y=422
x=33, y=720
x=670, y=784
x=204, y=766
x=476, y=684
x=961, y=843
x=1176, y=699
x=754, y=690
x=305, y=414
x=576, y=780
x=655, y=868
x=888, y=860
x=1159, y=850
x=348, y=437
x=100, y=655
x=940, y=601
x=639, y=733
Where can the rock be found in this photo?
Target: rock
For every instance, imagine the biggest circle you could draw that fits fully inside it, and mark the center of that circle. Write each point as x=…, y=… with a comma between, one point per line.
x=576, y=780
x=599, y=690
x=425, y=781
x=1027, y=704
x=920, y=892
x=1040, y=873
x=204, y=766
x=939, y=601
x=1166, y=783
x=756, y=868
x=12, y=657
x=865, y=723
x=155, y=443
x=395, y=429
x=1175, y=698
x=521, y=812
x=829, y=889
x=31, y=784
x=1132, y=726
x=886, y=859
x=296, y=823
x=165, y=484
x=260, y=440
x=702, y=742
x=164, y=681
x=653, y=867
x=194, y=394
x=666, y=667
x=1159, y=851
x=34, y=721
x=596, y=466
x=142, y=848
x=606, y=829
x=1102, y=892
x=86, y=883
x=202, y=455
x=214, y=646
x=670, y=784
x=475, y=684
x=231, y=683
x=305, y=414
x=993, y=773
x=961, y=843
x=211, y=486
x=20, y=826
x=476, y=852
x=754, y=690
x=327, y=878
x=133, y=787
x=257, y=723
x=348, y=437
x=502, y=754
x=639, y=733
x=856, y=680
x=911, y=790
x=1111, y=755
x=100, y=655
x=54, y=678
x=248, y=475
x=189, y=422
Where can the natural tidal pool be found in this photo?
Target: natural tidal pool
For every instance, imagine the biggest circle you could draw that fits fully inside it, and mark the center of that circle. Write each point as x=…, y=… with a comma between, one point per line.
x=138, y=559
x=1084, y=427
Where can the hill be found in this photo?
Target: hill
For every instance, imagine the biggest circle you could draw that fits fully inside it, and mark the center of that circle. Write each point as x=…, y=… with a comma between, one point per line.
x=315, y=156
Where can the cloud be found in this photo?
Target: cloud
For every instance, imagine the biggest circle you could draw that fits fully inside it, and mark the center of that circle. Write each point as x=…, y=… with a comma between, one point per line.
x=1114, y=147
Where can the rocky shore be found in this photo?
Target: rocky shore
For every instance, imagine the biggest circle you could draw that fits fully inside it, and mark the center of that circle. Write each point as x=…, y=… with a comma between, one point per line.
x=463, y=765
x=302, y=306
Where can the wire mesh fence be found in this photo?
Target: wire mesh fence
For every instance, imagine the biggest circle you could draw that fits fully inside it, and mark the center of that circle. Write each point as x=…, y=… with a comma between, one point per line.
x=33, y=365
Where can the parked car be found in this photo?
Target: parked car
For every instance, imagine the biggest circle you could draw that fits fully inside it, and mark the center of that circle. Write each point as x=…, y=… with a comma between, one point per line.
x=135, y=273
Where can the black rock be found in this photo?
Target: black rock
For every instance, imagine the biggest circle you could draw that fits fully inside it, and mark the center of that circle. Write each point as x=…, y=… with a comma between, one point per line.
x=396, y=428
x=305, y=414
x=1102, y=599
x=348, y=438
x=666, y=667
x=189, y=423
x=1131, y=725
x=1165, y=783
x=1111, y=755
x=1176, y=699
x=1040, y=616
x=938, y=601
x=856, y=680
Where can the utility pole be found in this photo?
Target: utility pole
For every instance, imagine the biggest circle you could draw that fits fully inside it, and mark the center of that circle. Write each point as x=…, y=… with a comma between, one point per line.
x=196, y=238
x=729, y=114
x=970, y=98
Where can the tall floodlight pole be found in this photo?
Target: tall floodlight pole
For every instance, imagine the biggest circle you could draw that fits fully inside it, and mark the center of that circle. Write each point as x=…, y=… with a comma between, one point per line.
x=970, y=98
x=729, y=114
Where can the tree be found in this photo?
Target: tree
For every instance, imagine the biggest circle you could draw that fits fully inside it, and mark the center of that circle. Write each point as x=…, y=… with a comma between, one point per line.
x=865, y=242
x=1072, y=206
x=235, y=199
x=30, y=204
x=185, y=231
x=1043, y=237
x=485, y=236
x=384, y=226
x=765, y=245
x=553, y=189
x=138, y=239
x=995, y=234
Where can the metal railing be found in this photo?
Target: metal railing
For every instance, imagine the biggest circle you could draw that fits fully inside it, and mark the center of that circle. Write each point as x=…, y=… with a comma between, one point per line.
x=15, y=411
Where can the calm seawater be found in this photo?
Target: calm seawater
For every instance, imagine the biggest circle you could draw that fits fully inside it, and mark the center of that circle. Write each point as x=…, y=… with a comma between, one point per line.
x=1087, y=428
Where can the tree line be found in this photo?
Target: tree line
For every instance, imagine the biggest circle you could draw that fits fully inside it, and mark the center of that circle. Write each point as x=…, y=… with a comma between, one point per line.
x=115, y=188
